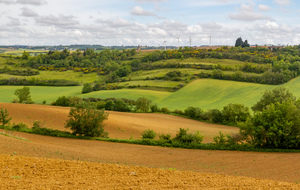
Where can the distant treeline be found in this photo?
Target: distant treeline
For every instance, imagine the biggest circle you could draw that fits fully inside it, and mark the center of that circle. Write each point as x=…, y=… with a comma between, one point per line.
x=38, y=82
x=261, y=65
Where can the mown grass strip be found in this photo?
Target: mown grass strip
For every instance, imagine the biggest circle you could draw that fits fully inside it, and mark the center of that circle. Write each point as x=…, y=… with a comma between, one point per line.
x=14, y=137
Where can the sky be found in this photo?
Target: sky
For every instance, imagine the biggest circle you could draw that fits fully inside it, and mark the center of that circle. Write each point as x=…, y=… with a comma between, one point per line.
x=149, y=22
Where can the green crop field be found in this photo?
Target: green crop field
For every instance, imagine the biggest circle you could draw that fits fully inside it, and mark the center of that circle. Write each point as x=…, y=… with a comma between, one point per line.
x=203, y=93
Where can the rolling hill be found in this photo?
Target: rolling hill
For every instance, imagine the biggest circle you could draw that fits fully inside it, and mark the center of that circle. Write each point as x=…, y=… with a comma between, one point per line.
x=203, y=93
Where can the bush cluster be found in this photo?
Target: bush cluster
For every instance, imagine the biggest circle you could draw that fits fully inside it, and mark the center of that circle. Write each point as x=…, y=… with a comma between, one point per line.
x=183, y=136
x=38, y=82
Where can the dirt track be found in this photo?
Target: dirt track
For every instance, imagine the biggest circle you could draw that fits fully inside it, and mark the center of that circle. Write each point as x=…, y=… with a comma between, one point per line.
x=274, y=166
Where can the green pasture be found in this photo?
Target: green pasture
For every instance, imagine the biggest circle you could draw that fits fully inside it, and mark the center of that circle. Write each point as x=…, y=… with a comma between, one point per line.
x=49, y=94
x=204, y=93
x=20, y=51
x=152, y=83
x=67, y=75
x=132, y=94
x=210, y=93
x=40, y=93
x=141, y=75
x=205, y=61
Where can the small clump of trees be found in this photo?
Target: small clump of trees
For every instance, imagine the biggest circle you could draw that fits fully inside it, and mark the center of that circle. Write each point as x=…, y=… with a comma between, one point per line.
x=86, y=120
x=240, y=43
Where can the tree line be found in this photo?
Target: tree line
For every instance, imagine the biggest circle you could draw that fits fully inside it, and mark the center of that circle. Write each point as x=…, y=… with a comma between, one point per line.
x=274, y=124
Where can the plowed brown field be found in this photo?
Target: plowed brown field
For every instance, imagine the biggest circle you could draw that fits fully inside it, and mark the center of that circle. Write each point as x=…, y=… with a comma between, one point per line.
x=41, y=173
x=119, y=124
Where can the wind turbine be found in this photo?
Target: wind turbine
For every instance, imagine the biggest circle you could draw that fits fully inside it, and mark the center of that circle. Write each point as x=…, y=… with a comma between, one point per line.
x=190, y=41
x=165, y=42
x=178, y=37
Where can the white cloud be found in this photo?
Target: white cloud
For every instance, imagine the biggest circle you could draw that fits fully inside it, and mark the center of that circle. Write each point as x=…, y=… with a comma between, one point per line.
x=24, y=2
x=28, y=12
x=8, y=2
x=153, y=1
x=263, y=7
x=283, y=2
x=247, y=13
x=59, y=21
x=139, y=11
x=117, y=23
x=32, y=2
x=13, y=22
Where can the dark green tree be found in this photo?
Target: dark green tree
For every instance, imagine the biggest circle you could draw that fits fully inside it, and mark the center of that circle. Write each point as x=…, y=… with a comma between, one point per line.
x=239, y=42
x=245, y=44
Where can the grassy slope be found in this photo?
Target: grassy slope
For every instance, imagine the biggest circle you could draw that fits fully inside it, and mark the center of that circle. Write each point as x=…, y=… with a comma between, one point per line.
x=39, y=94
x=204, y=93
x=210, y=93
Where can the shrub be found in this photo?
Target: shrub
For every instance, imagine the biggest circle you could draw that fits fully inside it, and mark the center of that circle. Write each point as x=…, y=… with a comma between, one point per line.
x=166, y=137
x=278, y=126
x=143, y=104
x=38, y=124
x=179, y=112
x=216, y=116
x=109, y=105
x=4, y=117
x=19, y=126
x=73, y=101
x=234, y=138
x=120, y=105
x=148, y=134
x=154, y=108
x=187, y=138
x=276, y=95
x=193, y=112
x=234, y=113
x=62, y=101
x=87, y=87
x=100, y=105
x=221, y=139
x=87, y=121
x=165, y=110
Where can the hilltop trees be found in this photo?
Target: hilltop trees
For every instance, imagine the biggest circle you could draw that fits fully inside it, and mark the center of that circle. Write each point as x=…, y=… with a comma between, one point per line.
x=240, y=43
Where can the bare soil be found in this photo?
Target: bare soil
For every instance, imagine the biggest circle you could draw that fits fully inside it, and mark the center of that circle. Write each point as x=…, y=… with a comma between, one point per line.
x=119, y=124
x=119, y=171
x=41, y=173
